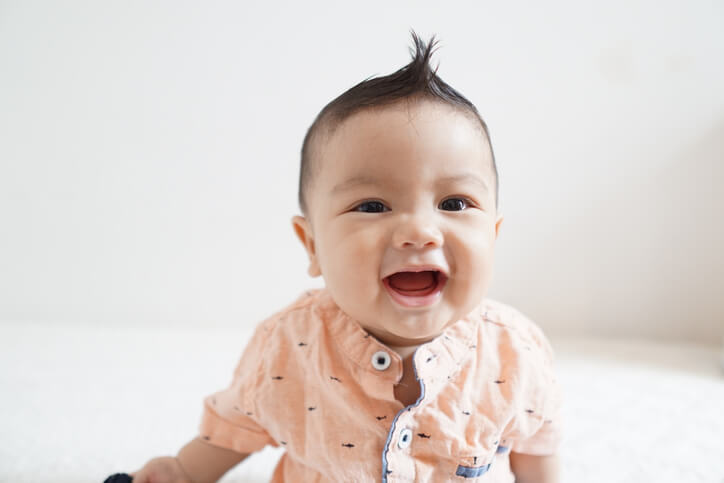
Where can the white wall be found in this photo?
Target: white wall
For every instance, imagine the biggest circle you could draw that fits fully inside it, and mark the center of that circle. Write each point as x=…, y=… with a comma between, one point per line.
x=149, y=151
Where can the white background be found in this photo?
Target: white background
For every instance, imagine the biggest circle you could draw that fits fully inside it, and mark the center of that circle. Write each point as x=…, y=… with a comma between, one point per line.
x=149, y=154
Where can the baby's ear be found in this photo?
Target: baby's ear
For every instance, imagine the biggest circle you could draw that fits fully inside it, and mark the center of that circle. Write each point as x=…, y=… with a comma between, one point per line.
x=498, y=222
x=304, y=232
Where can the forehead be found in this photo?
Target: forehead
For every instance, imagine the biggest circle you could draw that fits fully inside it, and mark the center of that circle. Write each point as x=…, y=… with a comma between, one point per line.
x=418, y=141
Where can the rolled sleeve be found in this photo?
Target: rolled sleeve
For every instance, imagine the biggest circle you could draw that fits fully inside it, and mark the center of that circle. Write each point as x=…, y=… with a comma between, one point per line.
x=546, y=440
x=548, y=399
x=240, y=433
x=229, y=416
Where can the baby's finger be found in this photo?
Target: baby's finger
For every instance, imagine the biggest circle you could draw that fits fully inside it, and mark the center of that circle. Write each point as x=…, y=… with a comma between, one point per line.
x=139, y=476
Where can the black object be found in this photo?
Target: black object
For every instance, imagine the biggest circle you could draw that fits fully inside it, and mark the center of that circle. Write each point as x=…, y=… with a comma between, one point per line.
x=119, y=478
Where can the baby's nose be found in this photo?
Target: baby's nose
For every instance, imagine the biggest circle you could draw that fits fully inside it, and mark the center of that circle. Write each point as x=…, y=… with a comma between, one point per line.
x=417, y=232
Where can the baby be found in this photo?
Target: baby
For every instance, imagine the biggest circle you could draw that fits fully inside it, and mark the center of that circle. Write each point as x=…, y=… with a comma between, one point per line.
x=400, y=369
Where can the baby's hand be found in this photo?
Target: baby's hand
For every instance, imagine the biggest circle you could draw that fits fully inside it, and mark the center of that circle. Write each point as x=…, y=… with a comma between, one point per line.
x=165, y=469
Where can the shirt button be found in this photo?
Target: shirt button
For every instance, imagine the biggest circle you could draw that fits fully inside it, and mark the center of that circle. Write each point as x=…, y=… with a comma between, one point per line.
x=405, y=438
x=381, y=360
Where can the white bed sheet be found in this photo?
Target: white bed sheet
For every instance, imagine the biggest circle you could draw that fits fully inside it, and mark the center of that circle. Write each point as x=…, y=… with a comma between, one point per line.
x=80, y=403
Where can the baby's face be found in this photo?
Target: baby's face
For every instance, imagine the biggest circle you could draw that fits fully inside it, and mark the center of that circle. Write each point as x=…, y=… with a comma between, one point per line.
x=402, y=219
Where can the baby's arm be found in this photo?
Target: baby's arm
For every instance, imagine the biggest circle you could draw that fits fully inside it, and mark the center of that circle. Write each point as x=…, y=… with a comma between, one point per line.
x=197, y=462
x=529, y=468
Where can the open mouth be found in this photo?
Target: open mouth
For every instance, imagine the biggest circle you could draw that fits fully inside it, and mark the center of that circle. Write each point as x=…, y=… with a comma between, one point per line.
x=415, y=289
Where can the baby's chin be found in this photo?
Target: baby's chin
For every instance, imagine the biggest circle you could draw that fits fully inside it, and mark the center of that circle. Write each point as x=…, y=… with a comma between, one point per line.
x=398, y=326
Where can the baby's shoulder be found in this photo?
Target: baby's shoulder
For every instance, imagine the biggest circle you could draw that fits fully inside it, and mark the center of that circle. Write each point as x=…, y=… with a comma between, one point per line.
x=303, y=316
x=519, y=329
x=279, y=336
x=496, y=312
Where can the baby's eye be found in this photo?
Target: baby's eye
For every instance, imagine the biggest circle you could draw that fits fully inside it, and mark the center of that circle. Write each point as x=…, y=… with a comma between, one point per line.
x=454, y=204
x=371, y=207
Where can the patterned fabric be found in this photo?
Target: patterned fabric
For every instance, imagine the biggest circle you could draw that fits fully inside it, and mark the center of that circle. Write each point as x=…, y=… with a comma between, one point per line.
x=313, y=381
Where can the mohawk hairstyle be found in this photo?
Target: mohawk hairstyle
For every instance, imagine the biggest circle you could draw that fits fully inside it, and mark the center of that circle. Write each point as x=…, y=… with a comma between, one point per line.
x=415, y=81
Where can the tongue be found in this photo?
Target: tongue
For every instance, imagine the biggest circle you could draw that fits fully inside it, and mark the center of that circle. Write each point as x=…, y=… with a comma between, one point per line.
x=412, y=281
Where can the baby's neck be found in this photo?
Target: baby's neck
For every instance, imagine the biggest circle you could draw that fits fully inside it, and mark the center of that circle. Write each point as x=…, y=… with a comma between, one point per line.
x=407, y=389
x=405, y=352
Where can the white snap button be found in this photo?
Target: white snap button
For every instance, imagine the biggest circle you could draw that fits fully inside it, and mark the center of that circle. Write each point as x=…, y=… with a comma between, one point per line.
x=381, y=360
x=405, y=438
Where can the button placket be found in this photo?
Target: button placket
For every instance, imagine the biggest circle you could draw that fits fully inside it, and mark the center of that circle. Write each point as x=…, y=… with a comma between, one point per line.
x=396, y=462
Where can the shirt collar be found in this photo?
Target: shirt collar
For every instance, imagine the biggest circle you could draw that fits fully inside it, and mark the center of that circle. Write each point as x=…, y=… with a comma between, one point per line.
x=446, y=351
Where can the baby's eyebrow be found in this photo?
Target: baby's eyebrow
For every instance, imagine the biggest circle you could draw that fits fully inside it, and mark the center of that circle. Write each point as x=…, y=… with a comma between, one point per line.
x=365, y=180
x=354, y=182
x=465, y=178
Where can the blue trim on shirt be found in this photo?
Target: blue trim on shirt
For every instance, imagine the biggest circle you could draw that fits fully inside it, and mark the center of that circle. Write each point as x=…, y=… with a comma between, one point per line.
x=470, y=471
x=501, y=449
x=394, y=421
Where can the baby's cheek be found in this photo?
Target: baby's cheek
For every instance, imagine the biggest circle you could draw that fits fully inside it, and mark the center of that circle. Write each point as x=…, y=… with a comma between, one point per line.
x=361, y=247
x=473, y=262
x=351, y=261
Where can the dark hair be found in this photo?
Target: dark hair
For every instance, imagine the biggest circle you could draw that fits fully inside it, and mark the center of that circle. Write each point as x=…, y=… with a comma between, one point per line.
x=414, y=81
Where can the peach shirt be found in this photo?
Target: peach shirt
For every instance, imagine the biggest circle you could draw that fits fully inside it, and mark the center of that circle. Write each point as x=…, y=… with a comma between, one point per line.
x=313, y=381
